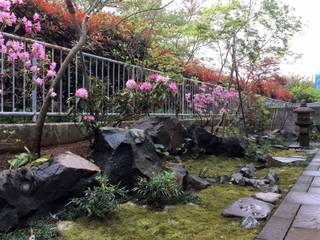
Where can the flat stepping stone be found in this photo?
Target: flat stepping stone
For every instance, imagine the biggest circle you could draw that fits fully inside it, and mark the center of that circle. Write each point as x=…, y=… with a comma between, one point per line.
x=289, y=160
x=308, y=217
x=304, y=198
x=246, y=207
x=269, y=197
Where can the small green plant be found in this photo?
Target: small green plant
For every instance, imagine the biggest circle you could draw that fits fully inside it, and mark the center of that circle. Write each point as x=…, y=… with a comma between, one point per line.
x=41, y=231
x=98, y=202
x=204, y=172
x=161, y=190
x=161, y=150
x=22, y=159
x=184, y=147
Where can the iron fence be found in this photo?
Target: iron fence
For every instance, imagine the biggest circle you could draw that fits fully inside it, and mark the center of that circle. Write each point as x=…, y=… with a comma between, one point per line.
x=18, y=97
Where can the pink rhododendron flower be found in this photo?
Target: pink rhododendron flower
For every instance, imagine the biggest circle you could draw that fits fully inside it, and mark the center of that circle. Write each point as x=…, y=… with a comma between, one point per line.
x=5, y=5
x=52, y=93
x=36, y=17
x=38, y=81
x=146, y=86
x=88, y=118
x=173, y=88
x=154, y=76
x=82, y=93
x=34, y=69
x=38, y=50
x=51, y=73
x=28, y=64
x=37, y=26
x=131, y=84
x=162, y=79
x=53, y=66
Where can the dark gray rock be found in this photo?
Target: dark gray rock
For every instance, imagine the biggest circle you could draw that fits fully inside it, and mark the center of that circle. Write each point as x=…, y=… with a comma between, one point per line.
x=273, y=177
x=258, y=183
x=246, y=207
x=166, y=131
x=248, y=170
x=26, y=194
x=202, y=139
x=181, y=174
x=125, y=154
x=238, y=179
x=223, y=179
x=249, y=222
x=213, y=145
x=197, y=183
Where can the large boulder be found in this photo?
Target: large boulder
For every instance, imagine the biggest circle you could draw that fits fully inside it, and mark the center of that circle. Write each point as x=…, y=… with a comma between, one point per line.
x=125, y=154
x=166, y=131
x=203, y=140
x=210, y=144
x=29, y=193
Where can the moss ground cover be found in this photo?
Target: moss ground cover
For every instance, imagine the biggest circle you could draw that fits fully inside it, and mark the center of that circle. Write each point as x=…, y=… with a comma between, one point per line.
x=189, y=221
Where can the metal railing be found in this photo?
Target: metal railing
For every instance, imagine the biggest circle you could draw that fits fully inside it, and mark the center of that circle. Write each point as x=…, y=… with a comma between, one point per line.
x=18, y=97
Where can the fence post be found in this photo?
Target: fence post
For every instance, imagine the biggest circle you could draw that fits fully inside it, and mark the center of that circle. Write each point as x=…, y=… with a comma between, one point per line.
x=34, y=93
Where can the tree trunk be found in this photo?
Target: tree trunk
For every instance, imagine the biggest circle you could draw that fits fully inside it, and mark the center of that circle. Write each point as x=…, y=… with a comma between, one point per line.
x=36, y=148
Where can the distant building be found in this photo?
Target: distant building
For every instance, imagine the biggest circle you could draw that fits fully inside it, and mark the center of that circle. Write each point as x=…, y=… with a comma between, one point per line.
x=317, y=80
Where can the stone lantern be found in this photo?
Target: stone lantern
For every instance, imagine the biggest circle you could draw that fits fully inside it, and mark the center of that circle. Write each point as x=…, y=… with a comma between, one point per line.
x=304, y=122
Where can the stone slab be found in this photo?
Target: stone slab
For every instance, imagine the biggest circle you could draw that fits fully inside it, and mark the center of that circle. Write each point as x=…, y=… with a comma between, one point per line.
x=316, y=182
x=308, y=217
x=288, y=160
x=304, y=198
x=287, y=210
x=311, y=173
x=275, y=229
x=305, y=179
x=300, y=187
x=302, y=234
x=314, y=190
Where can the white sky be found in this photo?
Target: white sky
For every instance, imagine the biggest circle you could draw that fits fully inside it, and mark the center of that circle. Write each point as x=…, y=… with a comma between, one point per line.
x=308, y=42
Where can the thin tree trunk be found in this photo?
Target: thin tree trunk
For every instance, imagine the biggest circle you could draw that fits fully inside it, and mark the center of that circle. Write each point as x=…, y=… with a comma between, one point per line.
x=36, y=148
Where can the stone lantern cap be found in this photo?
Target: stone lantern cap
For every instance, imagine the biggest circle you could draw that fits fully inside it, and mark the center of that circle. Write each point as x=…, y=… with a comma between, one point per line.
x=303, y=108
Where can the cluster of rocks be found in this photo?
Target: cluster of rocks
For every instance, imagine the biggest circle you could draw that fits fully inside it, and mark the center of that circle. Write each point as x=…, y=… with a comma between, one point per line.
x=245, y=176
x=127, y=154
x=27, y=194
x=261, y=204
x=190, y=182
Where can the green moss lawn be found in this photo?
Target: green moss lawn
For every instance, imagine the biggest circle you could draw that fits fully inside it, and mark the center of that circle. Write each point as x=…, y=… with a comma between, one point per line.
x=203, y=222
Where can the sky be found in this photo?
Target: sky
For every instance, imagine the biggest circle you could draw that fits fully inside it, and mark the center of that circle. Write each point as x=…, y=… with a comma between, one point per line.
x=307, y=42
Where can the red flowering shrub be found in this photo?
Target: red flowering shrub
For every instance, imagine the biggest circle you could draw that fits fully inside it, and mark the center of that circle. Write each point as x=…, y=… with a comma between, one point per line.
x=118, y=42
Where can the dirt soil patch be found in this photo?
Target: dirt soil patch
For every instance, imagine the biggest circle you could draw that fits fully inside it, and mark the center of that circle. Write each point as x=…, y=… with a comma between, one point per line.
x=79, y=148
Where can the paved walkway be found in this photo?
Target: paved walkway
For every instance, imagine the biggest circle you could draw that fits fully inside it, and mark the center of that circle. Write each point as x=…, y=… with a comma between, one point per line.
x=298, y=216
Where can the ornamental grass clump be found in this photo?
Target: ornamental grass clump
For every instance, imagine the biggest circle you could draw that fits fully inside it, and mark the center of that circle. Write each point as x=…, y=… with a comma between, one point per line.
x=161, y=190
x=97, y=202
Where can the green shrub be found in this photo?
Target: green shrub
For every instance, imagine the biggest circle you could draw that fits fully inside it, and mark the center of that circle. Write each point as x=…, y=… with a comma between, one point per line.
x=22, y=159
x=161, y=190
x=41, y=230
x=97, y=203
x=304, y=90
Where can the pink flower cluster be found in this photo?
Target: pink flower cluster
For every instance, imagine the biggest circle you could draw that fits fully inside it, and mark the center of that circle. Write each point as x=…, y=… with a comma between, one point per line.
x=131, y=84
x=158, y=78
x=38, y=51
x=29, y=26
x=89, y=118
x=210, y=97
x=51, y=71
x=82, y=93
x=6, y=16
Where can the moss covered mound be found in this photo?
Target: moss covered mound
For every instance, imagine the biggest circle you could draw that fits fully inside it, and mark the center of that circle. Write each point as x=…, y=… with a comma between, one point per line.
x=203, y=222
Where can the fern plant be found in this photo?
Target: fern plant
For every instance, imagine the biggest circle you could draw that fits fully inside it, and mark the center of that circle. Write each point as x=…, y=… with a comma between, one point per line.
x=98, y=202
x=161, y=190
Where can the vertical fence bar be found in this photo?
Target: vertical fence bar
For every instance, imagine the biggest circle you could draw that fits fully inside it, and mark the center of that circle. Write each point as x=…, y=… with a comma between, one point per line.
x=2, y=85
x=13, y=88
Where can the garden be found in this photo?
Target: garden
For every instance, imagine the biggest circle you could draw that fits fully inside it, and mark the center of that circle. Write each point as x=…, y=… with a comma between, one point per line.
x=115, y=125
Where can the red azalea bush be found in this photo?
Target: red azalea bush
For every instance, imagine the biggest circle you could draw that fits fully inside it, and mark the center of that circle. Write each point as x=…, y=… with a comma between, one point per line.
x=119, y=42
